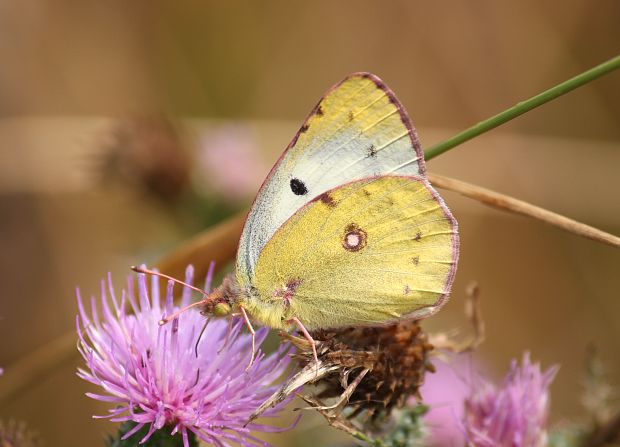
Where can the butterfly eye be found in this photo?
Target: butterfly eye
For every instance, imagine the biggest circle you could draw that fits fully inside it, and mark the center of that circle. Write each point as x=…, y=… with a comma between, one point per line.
x=298, y=187
x=221, y=310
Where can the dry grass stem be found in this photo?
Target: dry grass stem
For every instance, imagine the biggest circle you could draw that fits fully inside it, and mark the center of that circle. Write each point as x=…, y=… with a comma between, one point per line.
x=22, y=374
x=507, y=203
x=217, y=244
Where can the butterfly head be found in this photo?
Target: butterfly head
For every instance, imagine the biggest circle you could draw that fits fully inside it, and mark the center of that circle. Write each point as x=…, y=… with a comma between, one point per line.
x=218, y=303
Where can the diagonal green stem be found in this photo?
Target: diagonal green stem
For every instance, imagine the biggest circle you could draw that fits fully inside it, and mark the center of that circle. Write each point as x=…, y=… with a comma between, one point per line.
x=523, y=107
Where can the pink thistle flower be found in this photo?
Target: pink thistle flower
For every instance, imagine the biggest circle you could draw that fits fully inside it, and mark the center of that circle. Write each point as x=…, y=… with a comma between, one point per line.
x=514, y=414
x=444, y=392
x=229, y=161
x=159, y=375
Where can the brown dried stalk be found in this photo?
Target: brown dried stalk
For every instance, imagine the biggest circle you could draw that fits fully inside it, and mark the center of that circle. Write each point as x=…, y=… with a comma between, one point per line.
x=606, y=434
x=473, y=312
x=217, y=244
x=36, y=366
x=507, y=203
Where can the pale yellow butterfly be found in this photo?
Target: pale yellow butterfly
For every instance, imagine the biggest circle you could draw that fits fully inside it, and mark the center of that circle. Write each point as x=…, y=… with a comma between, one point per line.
x=346, y=229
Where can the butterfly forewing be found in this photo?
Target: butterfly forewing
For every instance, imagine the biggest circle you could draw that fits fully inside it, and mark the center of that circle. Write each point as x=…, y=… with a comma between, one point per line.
x=357, y=130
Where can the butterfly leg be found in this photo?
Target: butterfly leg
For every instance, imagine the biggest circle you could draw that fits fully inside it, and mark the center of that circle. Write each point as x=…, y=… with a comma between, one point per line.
x=252, y=331
x=304, y=331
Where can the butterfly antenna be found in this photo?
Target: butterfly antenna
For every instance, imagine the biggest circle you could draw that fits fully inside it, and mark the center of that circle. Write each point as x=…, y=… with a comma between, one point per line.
x=172, y=316
x=184, y=284
x=169, y=278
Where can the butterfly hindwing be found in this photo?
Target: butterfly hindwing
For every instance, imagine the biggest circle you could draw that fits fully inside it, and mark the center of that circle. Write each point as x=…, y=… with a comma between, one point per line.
x=368, y=252
x=357, y=130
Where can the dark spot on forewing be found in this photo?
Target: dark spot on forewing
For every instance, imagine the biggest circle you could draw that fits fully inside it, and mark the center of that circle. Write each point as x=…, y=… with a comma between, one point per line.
x=351, y=115
x=418, y=236
x=298, y=187
x=304, y=128
x=415, y=260
x=372, y=151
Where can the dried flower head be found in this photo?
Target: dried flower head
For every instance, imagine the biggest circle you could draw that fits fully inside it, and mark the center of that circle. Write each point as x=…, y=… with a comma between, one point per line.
x=396, y=356
x=369, y=370
x=513, y=414
x=170, y=376
x=147, y=152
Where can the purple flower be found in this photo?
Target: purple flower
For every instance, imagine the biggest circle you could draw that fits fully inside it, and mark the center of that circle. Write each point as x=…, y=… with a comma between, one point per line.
x=159, y=375
x=514, y=414
x=444, y=392
x=229, y=161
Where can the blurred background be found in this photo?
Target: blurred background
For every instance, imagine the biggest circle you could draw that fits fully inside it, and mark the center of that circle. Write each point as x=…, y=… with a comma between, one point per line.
x=127, y=127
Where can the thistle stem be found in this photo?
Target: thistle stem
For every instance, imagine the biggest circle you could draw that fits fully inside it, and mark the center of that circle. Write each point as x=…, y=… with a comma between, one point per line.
x=523, y=107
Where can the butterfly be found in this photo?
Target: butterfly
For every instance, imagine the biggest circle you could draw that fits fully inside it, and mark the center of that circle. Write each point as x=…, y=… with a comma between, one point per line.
x=346, y=230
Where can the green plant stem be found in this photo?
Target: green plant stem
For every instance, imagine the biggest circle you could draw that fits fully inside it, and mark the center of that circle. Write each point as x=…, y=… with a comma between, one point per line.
x=523, y=107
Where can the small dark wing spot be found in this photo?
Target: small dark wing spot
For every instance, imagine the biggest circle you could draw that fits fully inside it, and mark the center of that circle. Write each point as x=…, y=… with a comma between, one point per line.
x=372, y=151
x=351, y=116
x=317, y=110
x=298, y=187
x=406, y=290
x=327, y=199
x=415, y=260
x=288, y=292
x=304, y=128
x=366, y=192
x=418, y=236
